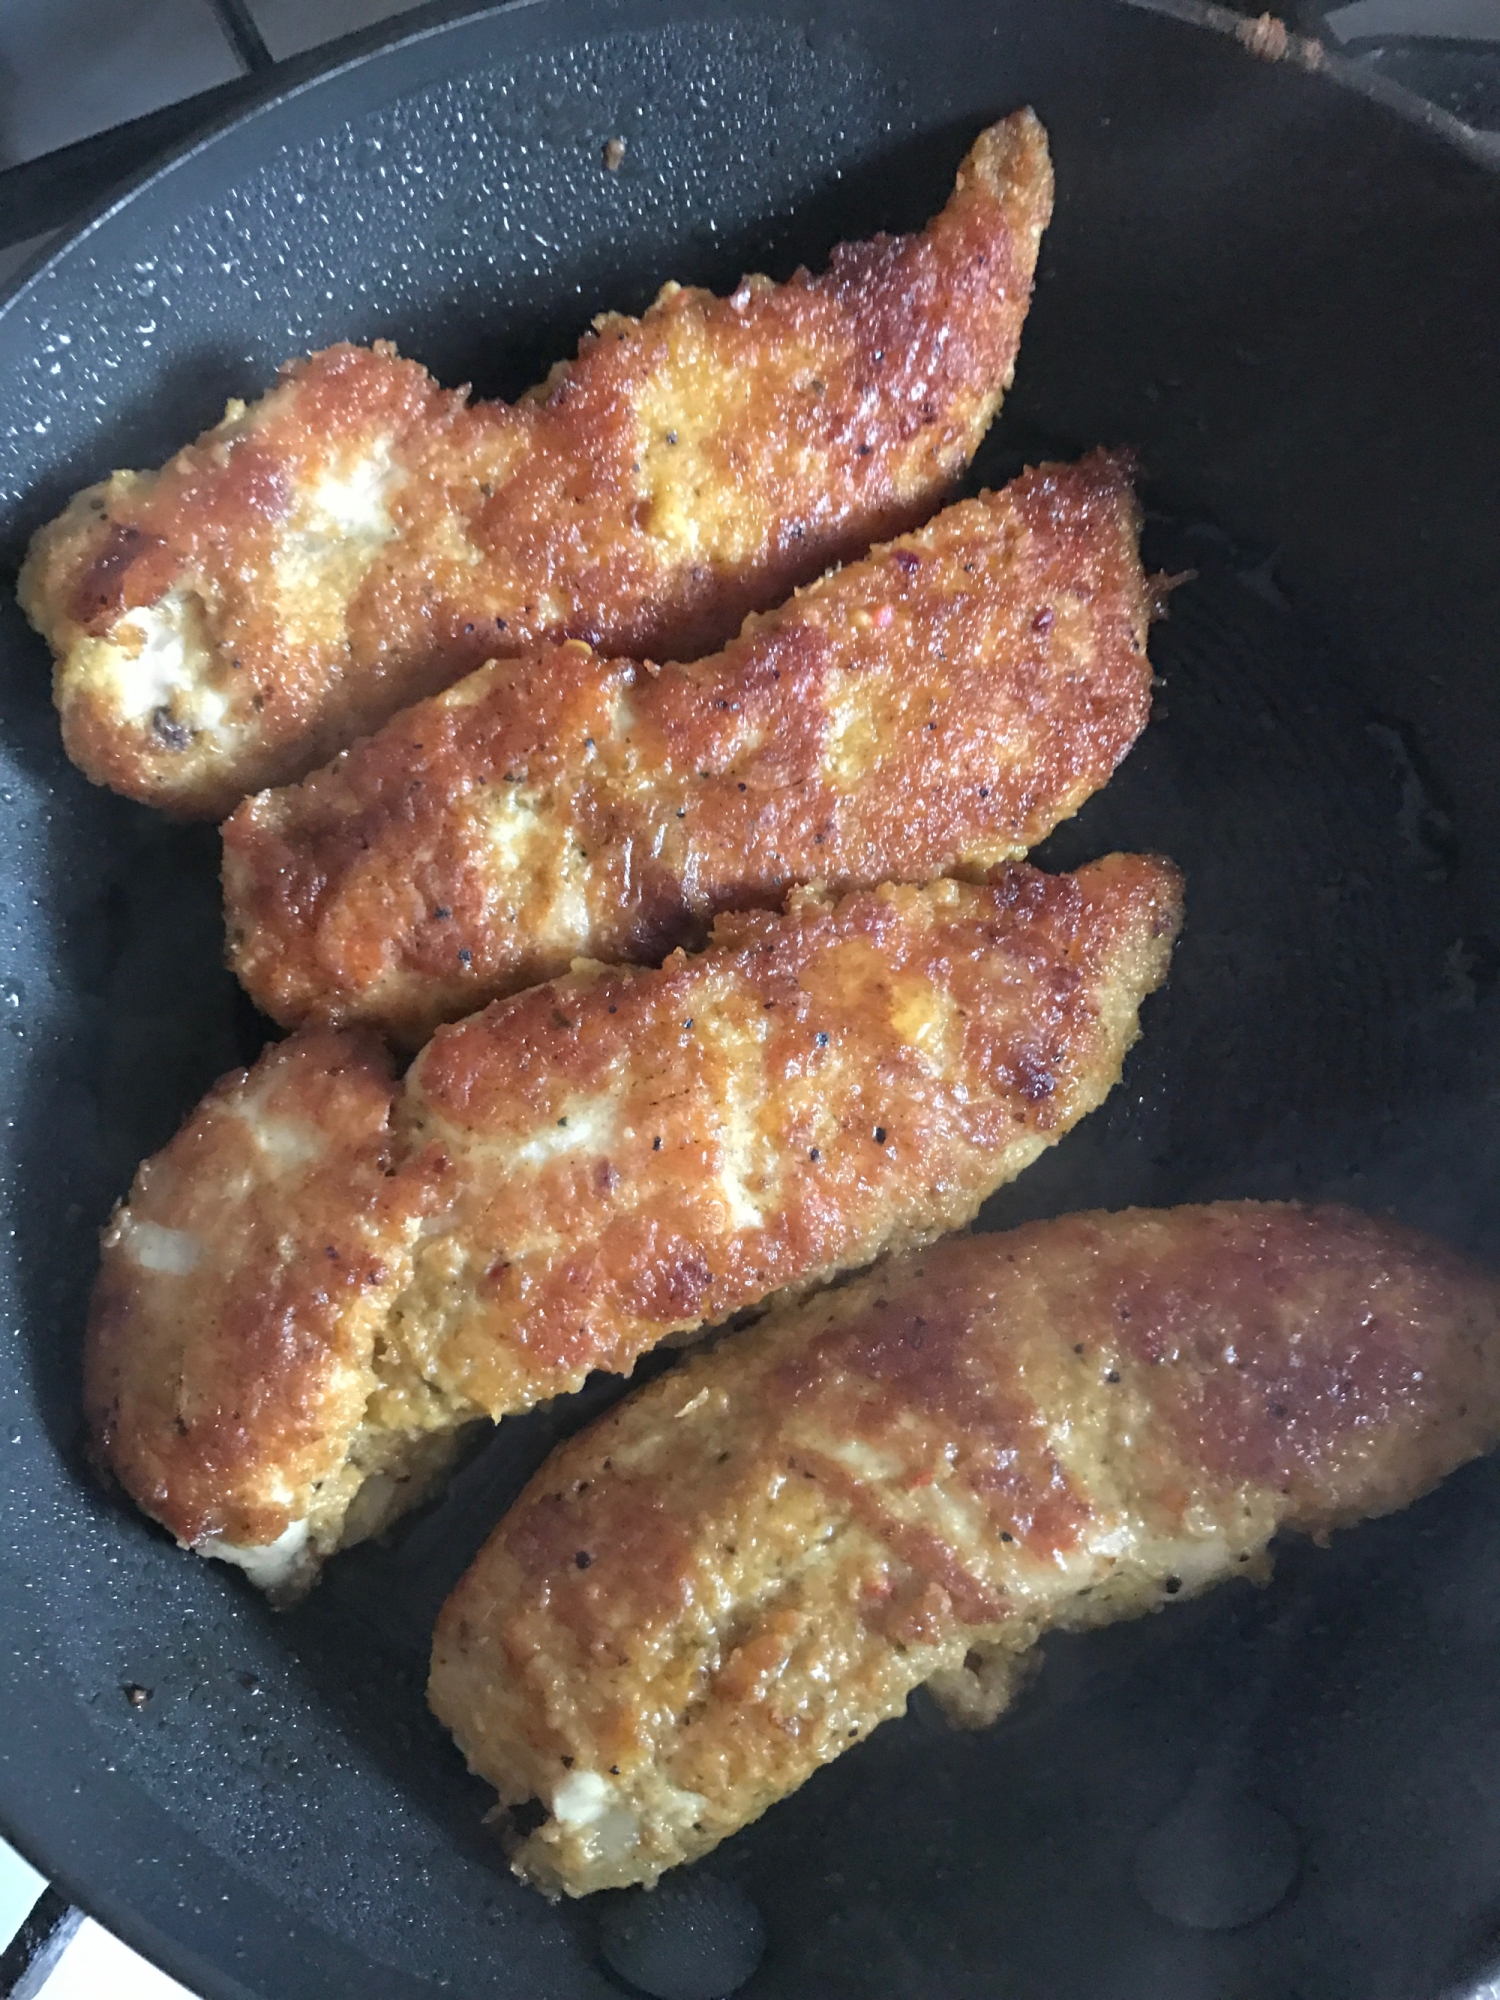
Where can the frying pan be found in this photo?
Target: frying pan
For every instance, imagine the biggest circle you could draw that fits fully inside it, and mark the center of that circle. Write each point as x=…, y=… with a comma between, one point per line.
x=1284, y=291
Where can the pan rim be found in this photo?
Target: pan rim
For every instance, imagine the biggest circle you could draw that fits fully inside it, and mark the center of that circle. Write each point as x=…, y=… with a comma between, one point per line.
x=440, y=17
x=443, y=17
x=1317, y=59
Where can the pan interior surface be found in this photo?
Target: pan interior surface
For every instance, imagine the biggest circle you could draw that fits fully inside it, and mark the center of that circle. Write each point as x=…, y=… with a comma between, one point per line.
x=1280, y=295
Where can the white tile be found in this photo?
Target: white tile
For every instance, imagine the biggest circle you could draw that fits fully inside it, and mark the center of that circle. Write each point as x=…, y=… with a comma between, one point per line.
x=1464, y=20
x=96, y=1966
x=20, y=1885
x=289, y=26
x=71, y=67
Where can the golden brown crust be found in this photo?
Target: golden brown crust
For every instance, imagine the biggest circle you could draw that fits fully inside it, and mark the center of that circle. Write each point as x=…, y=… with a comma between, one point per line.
x=939, y=706
x=260, y=1228
x=360, y=538
x=579, y=1172
x=746, y=1566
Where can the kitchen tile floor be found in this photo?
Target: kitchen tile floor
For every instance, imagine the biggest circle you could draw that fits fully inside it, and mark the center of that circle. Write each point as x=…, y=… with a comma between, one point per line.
x=72, y=67
x=289, y=26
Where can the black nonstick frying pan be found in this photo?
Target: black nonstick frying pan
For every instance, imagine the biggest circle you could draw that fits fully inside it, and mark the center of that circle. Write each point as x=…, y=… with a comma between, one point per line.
x=1285, y=293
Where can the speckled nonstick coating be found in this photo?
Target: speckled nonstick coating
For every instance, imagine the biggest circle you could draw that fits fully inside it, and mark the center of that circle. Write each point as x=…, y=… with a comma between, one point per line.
x=1283, y=293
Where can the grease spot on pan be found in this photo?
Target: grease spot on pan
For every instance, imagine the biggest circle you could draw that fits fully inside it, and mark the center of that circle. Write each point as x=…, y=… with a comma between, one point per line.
x=1219, y=1861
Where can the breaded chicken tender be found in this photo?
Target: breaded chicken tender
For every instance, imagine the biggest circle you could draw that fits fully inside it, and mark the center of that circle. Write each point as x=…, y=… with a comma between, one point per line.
x=359, y=538
x=326, y=1274
x=938, y=707
x=742, y=1569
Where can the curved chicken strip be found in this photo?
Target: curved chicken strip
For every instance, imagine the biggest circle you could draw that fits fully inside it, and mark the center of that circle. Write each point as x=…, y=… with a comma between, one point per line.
x=744, y=1568
x=937, y=707
x=360, y=537
x=325, y=1274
